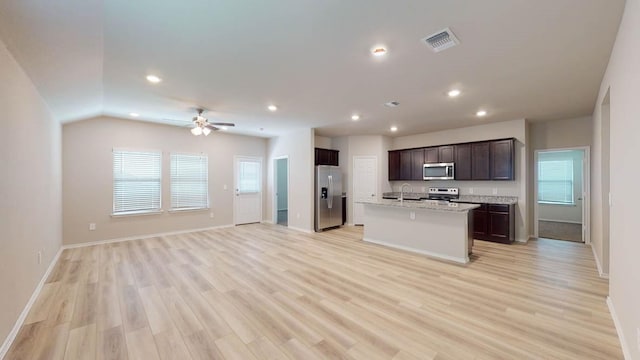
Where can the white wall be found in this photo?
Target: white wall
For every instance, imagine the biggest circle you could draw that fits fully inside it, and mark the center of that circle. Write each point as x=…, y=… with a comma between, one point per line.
x=87, y=173
x=298, y=146
x=565, y=213
x=30, y=189
x=623, y=78
x=515, y=128
x=322, y=142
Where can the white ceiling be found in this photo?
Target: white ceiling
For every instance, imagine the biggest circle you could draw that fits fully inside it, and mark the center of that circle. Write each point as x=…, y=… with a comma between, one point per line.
x=539, y=60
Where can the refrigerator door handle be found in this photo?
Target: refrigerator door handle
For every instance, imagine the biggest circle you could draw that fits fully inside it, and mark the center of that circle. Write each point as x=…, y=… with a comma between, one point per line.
x=330, y=197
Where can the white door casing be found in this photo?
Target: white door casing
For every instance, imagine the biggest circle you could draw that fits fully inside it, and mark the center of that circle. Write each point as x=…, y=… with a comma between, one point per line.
x=365, y=184
x=247, y=204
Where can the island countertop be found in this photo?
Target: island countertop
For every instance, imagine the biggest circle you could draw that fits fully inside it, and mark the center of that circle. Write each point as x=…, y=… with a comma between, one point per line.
x=426, y=204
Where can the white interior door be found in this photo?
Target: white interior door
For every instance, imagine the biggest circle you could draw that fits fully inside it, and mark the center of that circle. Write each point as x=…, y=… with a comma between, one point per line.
x=248, y=188
x=365, y=184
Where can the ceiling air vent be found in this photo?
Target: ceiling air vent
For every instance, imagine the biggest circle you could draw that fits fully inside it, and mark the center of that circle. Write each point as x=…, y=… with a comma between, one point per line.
x=441, y=40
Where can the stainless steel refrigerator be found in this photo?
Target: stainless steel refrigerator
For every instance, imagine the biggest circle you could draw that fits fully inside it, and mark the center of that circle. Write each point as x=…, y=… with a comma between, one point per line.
x=328, y=197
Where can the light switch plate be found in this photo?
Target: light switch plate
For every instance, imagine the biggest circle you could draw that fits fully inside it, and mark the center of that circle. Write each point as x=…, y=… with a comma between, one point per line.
x=412, y=215
x=224, y=187
x=495, y=191
x=92, y=226
x=471, y=191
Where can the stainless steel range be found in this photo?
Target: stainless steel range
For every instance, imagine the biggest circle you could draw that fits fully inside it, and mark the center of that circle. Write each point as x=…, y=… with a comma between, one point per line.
x=444, y=194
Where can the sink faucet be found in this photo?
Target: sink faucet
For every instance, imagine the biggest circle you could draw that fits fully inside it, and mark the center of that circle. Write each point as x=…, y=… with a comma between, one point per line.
x=402, y=190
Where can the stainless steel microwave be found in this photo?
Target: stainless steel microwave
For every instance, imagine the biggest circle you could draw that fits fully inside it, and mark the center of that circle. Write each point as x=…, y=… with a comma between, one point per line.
x=439, y=171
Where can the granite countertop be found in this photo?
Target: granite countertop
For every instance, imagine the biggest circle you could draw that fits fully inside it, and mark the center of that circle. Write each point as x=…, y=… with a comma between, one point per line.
x=407, y=195
x=427, y=204
x=487, y=199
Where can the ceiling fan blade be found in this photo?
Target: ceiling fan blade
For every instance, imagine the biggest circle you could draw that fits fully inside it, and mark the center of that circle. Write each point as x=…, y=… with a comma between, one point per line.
x=212, y=127
x=222, y=124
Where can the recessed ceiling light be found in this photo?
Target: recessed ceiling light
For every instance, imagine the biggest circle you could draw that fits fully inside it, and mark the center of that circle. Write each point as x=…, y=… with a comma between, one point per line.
x=379, y=50
x=392, y=104
x=394, y=128
x=134, y=114
x=272, y=108
x=481, y=113
x=153, y=79
x=355, y=117
x=453, y=93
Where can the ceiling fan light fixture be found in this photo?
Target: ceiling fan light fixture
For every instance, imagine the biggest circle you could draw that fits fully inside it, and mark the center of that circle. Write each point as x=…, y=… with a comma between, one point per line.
x=206, y=131
x=196, y=131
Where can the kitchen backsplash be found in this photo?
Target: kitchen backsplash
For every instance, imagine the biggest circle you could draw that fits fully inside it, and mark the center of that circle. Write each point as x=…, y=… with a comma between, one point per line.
x=505, y=188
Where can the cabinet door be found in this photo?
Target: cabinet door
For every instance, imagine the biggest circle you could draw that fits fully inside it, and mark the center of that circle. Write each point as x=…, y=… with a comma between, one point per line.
x=446, y=154
x=417, y=164
x=431, y=155
x=480, y=163
x=463, y=162
x=499, y=226
x=480, y=228
x=333, y=157
x=502, y=160
x=394, y=165
x=405, y=165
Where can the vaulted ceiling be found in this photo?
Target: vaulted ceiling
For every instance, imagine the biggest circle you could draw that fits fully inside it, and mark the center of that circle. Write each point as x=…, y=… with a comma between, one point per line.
x=539, y=60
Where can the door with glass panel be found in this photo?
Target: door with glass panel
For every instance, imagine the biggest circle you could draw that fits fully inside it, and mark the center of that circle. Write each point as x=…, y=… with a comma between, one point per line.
x=248, y=190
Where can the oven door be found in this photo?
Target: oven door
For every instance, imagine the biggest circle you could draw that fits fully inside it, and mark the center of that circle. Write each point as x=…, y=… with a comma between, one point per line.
x=439, y=171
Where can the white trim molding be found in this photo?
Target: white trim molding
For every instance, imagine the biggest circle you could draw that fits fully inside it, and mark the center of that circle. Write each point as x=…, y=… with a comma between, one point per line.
x=300, y=229
x=141, y=237
x=623, y=342
x=598, y=265
x=25, y=312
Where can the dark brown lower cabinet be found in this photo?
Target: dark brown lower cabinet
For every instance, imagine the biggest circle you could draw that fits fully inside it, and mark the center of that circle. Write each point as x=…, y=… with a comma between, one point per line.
x=494, y=222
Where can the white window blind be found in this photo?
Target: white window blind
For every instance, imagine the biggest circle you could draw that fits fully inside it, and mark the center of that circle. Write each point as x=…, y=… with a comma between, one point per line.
x=189, y=181
x=249, y=177
x=137, y=181
x=555, y=181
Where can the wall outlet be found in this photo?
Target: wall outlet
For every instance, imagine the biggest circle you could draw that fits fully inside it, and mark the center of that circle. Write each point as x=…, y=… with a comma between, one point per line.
x=211, y=215
x=495, y=191
x=39, y=257
x=92, y=226
x=412, y=215
x=471, y=191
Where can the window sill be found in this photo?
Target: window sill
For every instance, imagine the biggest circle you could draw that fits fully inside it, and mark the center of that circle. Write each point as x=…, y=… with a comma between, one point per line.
x=558, y=204
x=136, y=213
x=188, y=210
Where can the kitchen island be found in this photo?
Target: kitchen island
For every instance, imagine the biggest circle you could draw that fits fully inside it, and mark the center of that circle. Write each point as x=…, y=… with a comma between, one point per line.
x=434, y=228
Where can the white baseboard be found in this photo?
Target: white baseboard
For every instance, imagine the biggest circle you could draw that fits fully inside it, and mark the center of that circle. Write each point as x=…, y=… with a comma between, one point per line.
x=25, y=312
x=616, y=321
x=300, y=229
x=145, y=236
x=598, y=265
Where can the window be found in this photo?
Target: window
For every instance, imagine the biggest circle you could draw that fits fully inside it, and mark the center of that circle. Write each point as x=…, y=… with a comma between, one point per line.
x=555, y=181
x=248, y=176
x=189, y=182
x=137, y=182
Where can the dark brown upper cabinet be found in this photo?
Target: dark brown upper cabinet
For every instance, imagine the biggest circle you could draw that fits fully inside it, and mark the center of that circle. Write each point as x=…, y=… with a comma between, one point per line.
x=326, y=157
x=446, y=154
x=405, y=165
x=394, y=165
x=431, y=155
x=417, y=163
x=484, y=160
x=480, y=161
x=502, y=154
x=462, y=162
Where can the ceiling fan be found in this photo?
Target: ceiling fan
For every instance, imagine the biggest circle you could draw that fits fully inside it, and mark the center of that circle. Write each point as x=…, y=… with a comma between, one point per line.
x=202, y=126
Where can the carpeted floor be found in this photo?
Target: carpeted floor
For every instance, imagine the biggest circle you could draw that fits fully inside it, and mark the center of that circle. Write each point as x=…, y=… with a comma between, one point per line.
x=560, y=231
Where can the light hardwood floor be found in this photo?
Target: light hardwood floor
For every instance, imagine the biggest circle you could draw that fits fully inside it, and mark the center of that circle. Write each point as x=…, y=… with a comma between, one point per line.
x=266, y=292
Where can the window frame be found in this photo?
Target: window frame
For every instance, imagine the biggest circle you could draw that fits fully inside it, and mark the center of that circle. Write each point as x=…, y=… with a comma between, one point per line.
x=158, y=210
x=208, y=195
